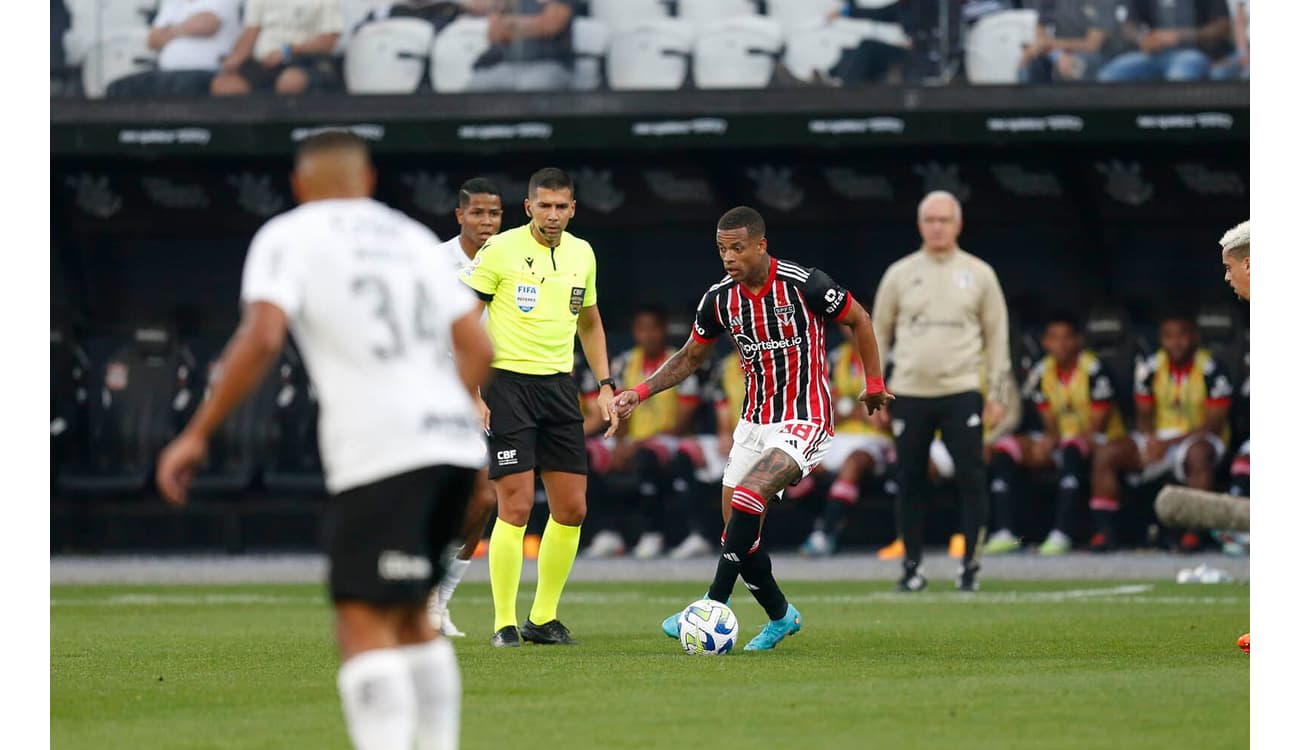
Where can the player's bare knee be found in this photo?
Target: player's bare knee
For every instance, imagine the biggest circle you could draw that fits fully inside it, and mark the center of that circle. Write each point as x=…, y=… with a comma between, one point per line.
x=1200, y=457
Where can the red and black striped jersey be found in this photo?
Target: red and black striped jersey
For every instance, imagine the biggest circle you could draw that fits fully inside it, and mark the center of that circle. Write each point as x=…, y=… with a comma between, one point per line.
x=780, y=333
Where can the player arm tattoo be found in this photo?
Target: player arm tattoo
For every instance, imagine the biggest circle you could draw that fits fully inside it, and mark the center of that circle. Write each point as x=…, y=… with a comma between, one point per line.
x=679, y=367
x=774, y=471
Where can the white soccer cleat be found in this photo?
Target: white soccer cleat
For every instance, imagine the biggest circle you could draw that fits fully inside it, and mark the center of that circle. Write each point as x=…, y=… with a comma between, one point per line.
x=818, y=544
x=694, y=545
x=446, y=626
x=605, y=544
x=649, y=546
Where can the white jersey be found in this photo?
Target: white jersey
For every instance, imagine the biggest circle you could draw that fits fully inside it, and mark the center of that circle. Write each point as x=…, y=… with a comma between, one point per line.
x=455, y=253
x=370, y=302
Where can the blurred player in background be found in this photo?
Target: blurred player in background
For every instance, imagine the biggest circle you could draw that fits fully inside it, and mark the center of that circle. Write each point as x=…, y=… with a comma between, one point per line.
x=479, y=216
x=776, y=313
x=860, y=449
x=375, y=310
x=1183, y=397
x=1075, y=398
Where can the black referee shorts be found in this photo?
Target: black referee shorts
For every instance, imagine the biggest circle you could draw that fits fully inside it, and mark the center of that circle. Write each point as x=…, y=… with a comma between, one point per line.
x=386, y=540
x=536, y=423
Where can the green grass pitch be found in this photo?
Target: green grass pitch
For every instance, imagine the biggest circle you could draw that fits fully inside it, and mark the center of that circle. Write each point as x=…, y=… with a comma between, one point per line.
x=1019, y=665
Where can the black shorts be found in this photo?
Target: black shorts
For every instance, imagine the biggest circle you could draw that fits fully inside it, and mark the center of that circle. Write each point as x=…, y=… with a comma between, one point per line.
x=322, y=73
x=536, y=423
x=386, y=541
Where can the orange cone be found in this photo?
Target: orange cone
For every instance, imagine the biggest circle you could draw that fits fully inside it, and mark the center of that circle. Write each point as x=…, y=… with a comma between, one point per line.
x=1244, y=642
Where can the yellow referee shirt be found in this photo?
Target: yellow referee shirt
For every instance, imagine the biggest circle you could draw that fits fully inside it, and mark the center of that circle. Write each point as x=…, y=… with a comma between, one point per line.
x=534, y=296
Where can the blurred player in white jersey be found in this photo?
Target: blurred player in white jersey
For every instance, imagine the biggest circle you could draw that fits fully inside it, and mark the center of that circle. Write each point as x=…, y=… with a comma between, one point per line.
x=479, y=216
x=374, y=309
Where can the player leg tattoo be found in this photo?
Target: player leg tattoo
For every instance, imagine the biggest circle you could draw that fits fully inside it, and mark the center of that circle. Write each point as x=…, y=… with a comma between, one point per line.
x=742, y=555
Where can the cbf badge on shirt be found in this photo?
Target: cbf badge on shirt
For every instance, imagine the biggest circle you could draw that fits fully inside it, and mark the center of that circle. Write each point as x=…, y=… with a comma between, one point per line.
x=525, y=297
x=576, y=295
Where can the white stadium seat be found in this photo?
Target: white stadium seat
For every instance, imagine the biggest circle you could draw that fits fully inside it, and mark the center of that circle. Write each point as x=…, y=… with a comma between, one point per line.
x=111, y=59
x=650, y=55
x=455, y=49
x=996, y=44
x=354, y=12
x=739, y=53
x=701, y=12
x=796, y=14
x=620, y=15
x=96, y=21
x=388, y=57
x=590, y=44
x=816, y=49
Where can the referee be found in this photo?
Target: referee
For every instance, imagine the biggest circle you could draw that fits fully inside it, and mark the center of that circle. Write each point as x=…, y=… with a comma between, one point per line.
x=941, y=312
x=539, y=283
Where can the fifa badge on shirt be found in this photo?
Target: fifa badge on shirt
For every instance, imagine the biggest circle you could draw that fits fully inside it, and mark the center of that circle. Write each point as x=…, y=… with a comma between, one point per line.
x=576, y=295
x=525, y=297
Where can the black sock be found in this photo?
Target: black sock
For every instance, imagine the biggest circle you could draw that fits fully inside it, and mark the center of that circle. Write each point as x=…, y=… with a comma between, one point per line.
x=742, y=532
x=756, y=571
x=1070, y=488
x=1103, y=522
x=1004, y=481
x=649, y=480
x=833, y=520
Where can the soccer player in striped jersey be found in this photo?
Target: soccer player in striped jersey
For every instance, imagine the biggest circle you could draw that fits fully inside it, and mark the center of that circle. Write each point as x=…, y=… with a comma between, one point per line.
x=776, y=313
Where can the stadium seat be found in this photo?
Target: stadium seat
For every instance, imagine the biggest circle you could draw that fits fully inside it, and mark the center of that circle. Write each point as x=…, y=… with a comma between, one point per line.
x=114, y=58
x=798, y=14
x=816, y=48
x=1222, y=333
x=705, y=12
x=69, y=368
x=455, y=50
x=1108, y=331
x=139, y=398
x=738, y=53
x=590, y=45
x=388, y=56
x=620, y=15
x=650, y=55
x=292, y=453
x=236, y=450
x=96, y=21
x=996, y=44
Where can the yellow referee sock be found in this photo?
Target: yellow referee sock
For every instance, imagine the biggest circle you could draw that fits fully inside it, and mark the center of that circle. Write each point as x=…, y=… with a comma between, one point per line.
x=554, y=561
x=505, y=562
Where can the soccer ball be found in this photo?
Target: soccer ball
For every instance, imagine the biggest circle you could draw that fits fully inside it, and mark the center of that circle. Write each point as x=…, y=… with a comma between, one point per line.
x=707, y=628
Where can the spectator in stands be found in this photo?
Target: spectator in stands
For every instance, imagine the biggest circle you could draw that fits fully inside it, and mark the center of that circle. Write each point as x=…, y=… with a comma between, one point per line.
x=532, y=45
x=873, y=60
x=287, y=46
x=191, y=37
x=1237, y=65
x=648, y=446
x=1183, y=397
x=1074, y=38
x=1176, y=41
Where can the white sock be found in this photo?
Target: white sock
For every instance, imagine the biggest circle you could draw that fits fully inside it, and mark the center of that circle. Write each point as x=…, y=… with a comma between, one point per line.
x=451, y=579
x=378, y=700
x=436, y=676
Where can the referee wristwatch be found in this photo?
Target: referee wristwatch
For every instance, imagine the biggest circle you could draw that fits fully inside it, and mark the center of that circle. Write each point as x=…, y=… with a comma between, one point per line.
x=609, y=382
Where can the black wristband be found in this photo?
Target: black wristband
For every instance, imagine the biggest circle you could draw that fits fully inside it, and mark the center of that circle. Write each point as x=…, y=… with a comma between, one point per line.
x=609, y=382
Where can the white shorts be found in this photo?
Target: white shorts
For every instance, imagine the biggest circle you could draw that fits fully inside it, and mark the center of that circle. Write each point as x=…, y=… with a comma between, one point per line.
x=805, y=442
x=878, y=447
x=1175, y=459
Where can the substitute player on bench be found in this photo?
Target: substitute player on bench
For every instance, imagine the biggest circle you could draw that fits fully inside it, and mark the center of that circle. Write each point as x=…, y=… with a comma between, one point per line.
x=776, y=313
x=374, y=308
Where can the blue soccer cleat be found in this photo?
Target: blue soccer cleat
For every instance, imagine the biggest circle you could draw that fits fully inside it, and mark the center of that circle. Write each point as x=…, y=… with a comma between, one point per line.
x=672, y=625
x=776, y=630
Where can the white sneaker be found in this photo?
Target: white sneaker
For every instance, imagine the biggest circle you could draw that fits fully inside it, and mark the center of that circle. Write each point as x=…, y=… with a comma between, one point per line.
x=448, y=627
x=649, y=546
x=694, y=545
x=817, y=544
x=605, y=544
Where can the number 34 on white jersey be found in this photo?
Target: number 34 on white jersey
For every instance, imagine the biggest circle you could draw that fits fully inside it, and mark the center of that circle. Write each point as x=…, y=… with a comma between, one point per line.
x=370, y=302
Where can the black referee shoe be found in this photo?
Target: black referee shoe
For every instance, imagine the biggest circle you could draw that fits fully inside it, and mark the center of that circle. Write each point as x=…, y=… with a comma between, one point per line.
x=966, y=578
x=550, y=633
x=507, y=637
x=911, y=582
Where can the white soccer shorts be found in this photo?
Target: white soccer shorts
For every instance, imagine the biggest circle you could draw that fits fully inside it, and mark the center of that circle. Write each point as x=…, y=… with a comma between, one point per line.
x=805, y=442
x=1175, y=459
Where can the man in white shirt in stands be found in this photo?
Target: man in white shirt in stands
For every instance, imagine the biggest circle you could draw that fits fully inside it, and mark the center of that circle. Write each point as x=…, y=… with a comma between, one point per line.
x=191, y=37
x=377, y=313
x=479, y=216
x=287, y=47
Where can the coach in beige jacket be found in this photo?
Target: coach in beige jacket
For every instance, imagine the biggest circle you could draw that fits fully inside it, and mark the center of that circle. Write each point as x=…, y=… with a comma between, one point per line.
x=941, y=313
